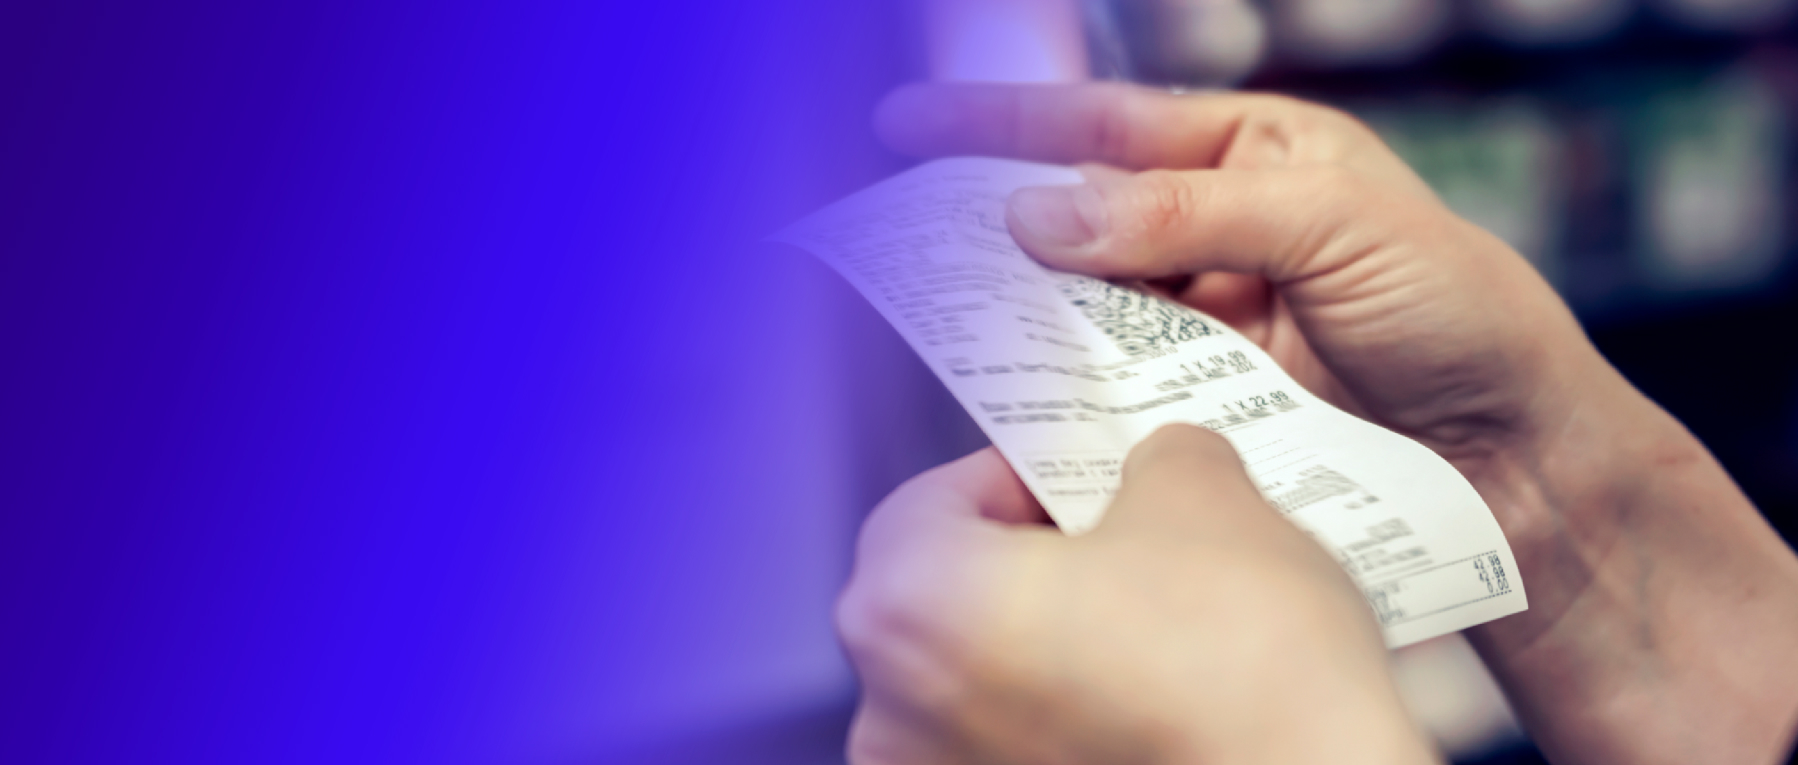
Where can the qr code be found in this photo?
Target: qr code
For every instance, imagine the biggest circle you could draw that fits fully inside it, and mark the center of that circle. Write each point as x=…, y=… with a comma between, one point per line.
x=1136, y=322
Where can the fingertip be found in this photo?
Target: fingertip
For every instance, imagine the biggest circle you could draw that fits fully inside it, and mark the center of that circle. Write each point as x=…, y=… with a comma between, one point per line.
x=1063, y=227
x=1178, y=442
x=1171, y=476
x=1055, y=219
x=1180, y=452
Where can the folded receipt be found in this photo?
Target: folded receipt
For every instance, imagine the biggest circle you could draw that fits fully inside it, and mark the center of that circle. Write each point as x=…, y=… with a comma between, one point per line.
x=1065, y=373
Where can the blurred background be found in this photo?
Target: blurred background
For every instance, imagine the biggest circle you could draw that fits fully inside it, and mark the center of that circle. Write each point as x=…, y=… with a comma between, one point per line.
x=406, y=382
x=1638, y=152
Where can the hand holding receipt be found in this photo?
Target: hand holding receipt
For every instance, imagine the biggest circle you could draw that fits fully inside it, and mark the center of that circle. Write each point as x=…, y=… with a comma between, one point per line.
x=1309, y=275
x=1066, y=373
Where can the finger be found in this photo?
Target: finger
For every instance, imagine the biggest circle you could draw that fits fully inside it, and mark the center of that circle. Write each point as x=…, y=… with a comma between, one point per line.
x=882, y=734
x=1177, y=479
x=949, y=506
x=985, y=485
x=1113, y=123
x=995, y=489
x=924, y=556
x=1286, y=225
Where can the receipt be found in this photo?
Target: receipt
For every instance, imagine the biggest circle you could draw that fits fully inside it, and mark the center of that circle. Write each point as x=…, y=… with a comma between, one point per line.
x=1065, y=373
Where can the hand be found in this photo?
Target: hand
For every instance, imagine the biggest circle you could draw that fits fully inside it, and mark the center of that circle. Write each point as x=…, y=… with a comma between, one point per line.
x=1295, y=224
x=1662, y=606
x=1195, y=625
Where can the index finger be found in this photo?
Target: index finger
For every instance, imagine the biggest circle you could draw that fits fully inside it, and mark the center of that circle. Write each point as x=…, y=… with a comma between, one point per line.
x=979, y=486
x=970, y=504
x=1122, y=125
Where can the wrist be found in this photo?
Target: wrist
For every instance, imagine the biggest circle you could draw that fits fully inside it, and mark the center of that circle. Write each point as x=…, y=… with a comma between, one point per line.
x=1661, y=604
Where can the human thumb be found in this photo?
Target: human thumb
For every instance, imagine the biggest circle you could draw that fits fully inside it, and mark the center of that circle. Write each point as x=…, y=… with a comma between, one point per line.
x=1285, y=224
x=1185, y=480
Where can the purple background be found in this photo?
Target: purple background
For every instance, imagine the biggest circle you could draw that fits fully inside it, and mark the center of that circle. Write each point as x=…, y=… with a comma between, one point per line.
x=403, y=382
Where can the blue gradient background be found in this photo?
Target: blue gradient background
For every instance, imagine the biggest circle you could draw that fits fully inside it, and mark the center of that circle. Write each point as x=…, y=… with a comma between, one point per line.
x=403, y=381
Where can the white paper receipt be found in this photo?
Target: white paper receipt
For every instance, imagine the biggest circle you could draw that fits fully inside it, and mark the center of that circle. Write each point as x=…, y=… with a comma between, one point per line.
x=1065, y=373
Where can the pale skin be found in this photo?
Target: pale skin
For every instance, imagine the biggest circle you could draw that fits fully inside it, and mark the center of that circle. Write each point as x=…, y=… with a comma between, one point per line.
x=1189, y=628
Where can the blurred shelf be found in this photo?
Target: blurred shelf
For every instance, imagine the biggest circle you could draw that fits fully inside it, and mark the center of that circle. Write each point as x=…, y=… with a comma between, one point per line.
x=1573, y=151
x=1646, y=174
x=1470, y=63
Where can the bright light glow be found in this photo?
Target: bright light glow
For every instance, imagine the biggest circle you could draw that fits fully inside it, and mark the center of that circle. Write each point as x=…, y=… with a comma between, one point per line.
x=1006, y=40
x=1360, y=31
x=1551, y=21
x=1221, y=41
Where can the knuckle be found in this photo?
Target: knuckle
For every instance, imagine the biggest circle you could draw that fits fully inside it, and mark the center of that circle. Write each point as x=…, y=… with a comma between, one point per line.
x=872, y=614
x=1302, y=131
x=854, y=623
x=907, y=610
x=1163, y=200
x=1311, y=116
x=1262, y=140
